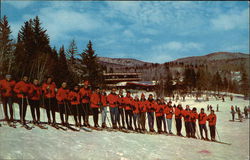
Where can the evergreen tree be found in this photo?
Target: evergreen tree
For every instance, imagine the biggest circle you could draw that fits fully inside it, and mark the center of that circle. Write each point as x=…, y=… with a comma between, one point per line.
x=6, y=47
x=72, y=52
x=92, y=69
x=244, y=84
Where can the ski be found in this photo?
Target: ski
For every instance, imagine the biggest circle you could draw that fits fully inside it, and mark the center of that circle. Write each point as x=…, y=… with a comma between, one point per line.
x=27, y=127
x=222, y=142
x=95, y=128
x=73, y=129
x=41, y=126
x=55, y=126
x=86, y=129
x=12, y=125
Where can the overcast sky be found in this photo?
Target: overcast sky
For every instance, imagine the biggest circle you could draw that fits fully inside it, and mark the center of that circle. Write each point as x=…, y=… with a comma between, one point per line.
x=148, y=31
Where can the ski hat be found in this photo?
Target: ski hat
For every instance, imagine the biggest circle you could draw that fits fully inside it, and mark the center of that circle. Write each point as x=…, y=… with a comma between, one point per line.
x=86, y=82
x=142, y=95
x=8, y=76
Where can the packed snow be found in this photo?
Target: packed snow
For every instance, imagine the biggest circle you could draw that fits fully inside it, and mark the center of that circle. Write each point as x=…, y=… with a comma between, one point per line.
x=43, y=144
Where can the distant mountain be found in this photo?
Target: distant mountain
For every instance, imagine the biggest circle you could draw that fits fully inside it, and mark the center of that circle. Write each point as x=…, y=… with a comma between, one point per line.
x=121, y=61
x=217, y=56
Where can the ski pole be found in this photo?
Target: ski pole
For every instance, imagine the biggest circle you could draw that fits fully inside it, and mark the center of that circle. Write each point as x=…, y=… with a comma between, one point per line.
x=217, y=133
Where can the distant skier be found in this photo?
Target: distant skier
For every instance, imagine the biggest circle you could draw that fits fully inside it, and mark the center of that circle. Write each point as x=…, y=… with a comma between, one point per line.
x=239, y=114
x=223, y=99
x=169, y=115
x=6, y=90
x=202, y=117
x=233, y=112
x=217, y=108
x=178, y=117
x=231, y=98
x=95, y=102
x=193, y=116
x=22, y=89
x=62, y=101
x=187, y=120
x=246, y=112
x=211, y=118
x=208, y=107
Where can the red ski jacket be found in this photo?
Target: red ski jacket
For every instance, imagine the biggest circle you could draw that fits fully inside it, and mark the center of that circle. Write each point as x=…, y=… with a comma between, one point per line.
x=95, y=100
x=177, y=113
x=120, y=101
x=104, y=100
x=135, y=105
x=112, y=99
x=22, y=89
x=151, y=106
x=62, y=95
x=49, y=90
x=169, y=111
x=35, y=92
x=74, y=98
x=211, y=118
x=202, y=117
x=128, y=102
x=193, y=116
x=85, y=95
x=6, y=87
x=159, y=110
x=186, y=115
x=142, y=106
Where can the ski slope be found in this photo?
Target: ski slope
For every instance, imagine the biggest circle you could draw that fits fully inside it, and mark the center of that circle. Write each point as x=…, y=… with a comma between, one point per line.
x=41, y=144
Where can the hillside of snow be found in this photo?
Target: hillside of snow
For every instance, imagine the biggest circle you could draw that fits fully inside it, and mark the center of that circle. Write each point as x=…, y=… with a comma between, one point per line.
x=41, y=144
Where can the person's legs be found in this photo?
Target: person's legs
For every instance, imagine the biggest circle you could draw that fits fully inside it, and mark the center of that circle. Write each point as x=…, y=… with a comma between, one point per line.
x=130, y=118
x=48, y=108
x=5, y=109
x=127, y=114
x=32, y=109
x=37, y=110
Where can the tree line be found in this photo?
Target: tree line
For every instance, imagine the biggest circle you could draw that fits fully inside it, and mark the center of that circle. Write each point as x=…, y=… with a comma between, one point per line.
x=31, y=54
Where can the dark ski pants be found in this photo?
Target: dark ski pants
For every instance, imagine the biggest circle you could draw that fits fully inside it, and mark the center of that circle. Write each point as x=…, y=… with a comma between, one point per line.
x=75, y=112
x=114, y=113
x=136, y=120
x=8, y=101
x=50, y=106
x=95, y=116
x=129, y=114
x=233, y=115
x=86, y=112
x=63, y=111
x=188, y=128
x=212, y=132
x=121, y=117
x=142, y=121
x=193, y=129
x=22, y=102
x=178, y=126
x=35, y=110
x=164, y=123
x=151, y=118
x=159, y=123
x=203, y=127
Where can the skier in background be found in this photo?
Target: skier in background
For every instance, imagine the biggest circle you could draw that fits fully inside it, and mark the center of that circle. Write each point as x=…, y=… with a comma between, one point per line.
x=246, y=112
x=233, y=112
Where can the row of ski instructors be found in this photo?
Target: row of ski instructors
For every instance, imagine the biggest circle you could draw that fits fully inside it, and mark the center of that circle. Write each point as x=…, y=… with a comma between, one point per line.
x=79, y=101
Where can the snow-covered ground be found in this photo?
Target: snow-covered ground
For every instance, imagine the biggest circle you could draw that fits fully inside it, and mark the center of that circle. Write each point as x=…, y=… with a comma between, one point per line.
x=20, y=143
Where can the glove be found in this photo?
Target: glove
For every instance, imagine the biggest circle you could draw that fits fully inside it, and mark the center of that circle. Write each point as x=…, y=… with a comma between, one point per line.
x=4, y=90
x=34, y=93
x=85, y=97
x=48, y=90
x=161, y=110
x=74, y=99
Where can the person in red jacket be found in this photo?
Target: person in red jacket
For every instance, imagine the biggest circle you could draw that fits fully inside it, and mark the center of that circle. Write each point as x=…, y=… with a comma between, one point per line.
x=95, y=102
x=128, y=110
x=75, y=106
x=142, y=111
x=22, y=89
x=159, y=113
x=121, y=117
x=135, y=108
x=211, y=118
x=85, y=94
x=7, y=96
x=178, y=117
x=49, y=99
x=112, y=100
x=62, y=101
x=35, y=92
x=186, y=115
x=104, y=107
x=151, y=109
x=193, y=117
x=169, y=111
x=202, y=117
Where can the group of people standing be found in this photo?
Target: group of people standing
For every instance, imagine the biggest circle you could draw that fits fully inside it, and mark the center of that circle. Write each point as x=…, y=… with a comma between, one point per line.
x=126, y=112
